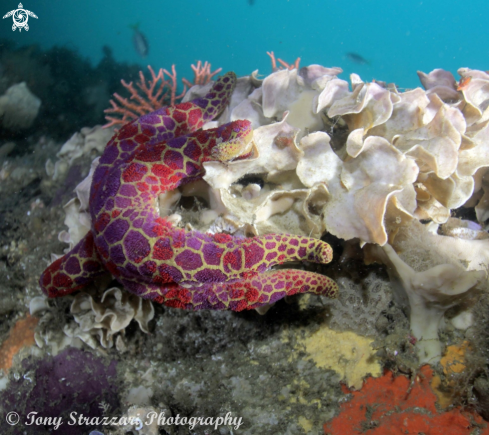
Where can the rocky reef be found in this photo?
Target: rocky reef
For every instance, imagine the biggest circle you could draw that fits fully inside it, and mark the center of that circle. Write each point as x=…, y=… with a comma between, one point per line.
x=395, y=181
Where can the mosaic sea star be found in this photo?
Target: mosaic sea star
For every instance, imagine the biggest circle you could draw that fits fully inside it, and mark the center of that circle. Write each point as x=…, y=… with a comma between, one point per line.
x=146, y=254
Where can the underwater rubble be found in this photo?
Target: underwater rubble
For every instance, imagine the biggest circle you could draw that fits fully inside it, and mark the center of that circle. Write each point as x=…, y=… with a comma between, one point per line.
x=396, y=182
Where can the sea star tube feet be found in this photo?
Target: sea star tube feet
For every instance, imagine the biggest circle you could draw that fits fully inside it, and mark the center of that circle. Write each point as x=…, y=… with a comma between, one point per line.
x=151, y=258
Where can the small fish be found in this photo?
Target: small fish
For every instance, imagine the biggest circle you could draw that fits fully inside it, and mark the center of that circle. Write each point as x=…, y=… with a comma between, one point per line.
x=463, y=84
x=354, y=57
x=251, y=2
x=140, y=41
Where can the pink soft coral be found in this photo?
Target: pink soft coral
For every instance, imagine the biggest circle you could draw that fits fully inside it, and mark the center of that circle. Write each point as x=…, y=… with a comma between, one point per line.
x=289, y=66
x=152, y=94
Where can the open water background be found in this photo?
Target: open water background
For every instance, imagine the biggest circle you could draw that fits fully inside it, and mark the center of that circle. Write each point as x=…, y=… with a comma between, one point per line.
x=397, y=38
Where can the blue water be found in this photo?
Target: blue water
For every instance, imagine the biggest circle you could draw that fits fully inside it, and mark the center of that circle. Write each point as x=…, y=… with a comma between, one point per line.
x=397, y=38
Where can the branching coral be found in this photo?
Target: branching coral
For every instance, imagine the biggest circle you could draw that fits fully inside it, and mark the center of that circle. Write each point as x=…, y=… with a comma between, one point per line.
x=202, y=74
x=150, y=97
x=284, y=64
x=153, y=94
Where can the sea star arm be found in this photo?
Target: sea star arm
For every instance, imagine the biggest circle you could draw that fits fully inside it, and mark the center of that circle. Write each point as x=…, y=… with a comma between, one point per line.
x=255, y=291
x=156, y=153
x=74, y=270
x=137, y=245
x=82, y=264
x=193, y=259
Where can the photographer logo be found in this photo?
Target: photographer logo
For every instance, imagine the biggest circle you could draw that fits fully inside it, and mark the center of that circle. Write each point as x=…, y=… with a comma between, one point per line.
x=20, y=17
